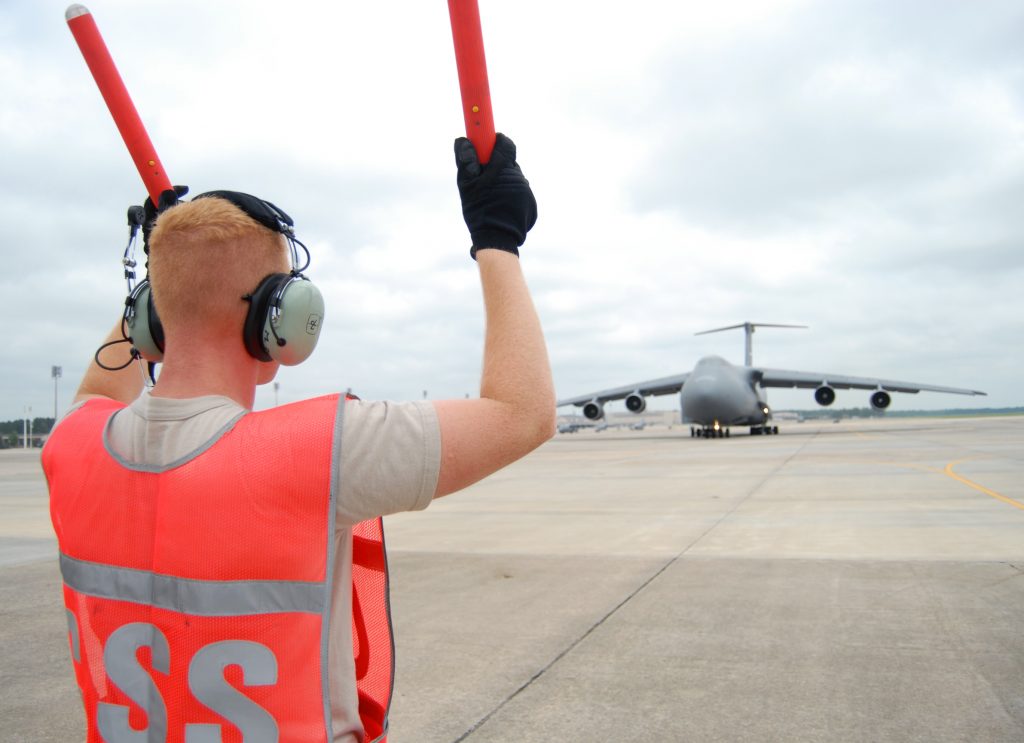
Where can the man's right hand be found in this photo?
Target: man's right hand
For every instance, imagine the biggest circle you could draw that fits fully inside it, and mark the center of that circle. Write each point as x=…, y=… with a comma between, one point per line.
x=497, y=203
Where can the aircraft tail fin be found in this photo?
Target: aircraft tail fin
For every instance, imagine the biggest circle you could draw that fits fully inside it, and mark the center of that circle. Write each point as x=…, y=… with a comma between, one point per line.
x=748, y=327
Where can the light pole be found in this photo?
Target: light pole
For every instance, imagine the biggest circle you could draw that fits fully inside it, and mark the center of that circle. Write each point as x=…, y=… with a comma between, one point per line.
x=28, y=414
x=55, y=371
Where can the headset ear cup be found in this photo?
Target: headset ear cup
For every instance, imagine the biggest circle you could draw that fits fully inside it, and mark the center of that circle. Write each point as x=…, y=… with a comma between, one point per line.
x=145, y=331
x=291, y=335
x=258, y=315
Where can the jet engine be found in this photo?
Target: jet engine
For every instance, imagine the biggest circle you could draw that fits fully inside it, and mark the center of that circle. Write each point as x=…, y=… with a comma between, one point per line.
x=880, y=400
x=636, y=403
x=825, y=395
x=593, y=410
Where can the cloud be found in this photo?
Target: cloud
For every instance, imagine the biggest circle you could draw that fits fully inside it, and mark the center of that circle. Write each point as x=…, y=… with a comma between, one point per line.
x=852, y=166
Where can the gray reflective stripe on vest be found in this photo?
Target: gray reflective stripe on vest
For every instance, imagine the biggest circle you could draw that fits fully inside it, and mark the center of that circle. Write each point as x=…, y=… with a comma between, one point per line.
x=206, y=598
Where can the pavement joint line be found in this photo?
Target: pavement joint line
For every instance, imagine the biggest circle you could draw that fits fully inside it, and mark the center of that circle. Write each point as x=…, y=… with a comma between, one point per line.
x=483, y=720
x=747, y=497
x=951, y=630
x=980, y=488
x=1017, y=573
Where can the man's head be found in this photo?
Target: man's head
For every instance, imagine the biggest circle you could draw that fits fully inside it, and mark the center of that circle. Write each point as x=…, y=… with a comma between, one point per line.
x=205, y=256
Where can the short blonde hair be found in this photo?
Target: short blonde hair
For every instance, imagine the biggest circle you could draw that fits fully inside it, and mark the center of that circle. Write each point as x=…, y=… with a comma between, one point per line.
x=204, y=256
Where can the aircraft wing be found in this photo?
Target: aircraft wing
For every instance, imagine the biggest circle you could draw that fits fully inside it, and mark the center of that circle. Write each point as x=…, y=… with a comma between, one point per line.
x=663, y=386
x=781, y=378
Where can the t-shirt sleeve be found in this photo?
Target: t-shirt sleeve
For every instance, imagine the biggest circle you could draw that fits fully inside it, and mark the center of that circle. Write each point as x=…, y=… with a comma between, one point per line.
x=390, y=459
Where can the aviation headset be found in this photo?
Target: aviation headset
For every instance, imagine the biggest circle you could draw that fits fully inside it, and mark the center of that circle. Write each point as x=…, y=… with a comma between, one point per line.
x=286, y=310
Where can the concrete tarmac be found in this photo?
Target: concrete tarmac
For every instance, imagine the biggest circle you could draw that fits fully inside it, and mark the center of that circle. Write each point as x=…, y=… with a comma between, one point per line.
x=859, y=581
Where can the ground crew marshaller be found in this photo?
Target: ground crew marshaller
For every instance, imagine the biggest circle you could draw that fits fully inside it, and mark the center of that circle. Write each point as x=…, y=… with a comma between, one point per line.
x=223, y=570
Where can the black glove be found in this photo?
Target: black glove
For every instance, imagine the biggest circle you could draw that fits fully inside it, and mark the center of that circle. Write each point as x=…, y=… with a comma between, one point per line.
x=497, y=202
x=167, y=199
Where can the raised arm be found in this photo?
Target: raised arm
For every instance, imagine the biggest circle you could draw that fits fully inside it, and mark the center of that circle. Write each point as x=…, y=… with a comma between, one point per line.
x=516, y=409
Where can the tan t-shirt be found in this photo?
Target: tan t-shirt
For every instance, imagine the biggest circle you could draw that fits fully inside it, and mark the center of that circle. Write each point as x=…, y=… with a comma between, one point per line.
x=390, y=459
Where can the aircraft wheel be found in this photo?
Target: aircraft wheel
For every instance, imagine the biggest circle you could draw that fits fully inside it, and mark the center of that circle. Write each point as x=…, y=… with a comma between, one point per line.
x=727, y=433
x=775, y=429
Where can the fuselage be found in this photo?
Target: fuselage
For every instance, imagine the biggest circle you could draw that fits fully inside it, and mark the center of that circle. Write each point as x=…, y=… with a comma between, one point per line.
x=718, y=392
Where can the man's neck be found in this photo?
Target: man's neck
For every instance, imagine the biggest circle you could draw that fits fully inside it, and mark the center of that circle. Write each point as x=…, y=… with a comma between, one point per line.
x=214, y=374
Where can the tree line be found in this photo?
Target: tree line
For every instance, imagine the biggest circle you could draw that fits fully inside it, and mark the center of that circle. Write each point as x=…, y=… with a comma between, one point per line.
x=872, y=413
x=12, y=431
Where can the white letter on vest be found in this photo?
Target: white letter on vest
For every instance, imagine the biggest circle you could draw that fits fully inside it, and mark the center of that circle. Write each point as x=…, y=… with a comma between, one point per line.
x=207, y=683
x=124, y=671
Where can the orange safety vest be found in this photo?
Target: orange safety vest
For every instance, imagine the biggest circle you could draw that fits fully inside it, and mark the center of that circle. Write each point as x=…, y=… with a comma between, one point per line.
x=198, y=594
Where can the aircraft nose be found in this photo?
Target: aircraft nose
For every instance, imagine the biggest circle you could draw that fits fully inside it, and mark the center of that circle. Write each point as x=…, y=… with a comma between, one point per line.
x=701, y=398
x=708, y=398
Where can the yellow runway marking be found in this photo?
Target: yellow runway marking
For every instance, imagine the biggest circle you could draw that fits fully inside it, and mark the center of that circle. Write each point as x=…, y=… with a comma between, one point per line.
x=949, y=471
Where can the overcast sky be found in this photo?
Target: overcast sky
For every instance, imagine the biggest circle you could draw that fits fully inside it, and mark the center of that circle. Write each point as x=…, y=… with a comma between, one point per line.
x=857, y=167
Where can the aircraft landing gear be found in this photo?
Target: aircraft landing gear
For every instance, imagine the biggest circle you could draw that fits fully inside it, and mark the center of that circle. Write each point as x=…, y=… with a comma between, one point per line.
x=766, y=430
x=707, y=432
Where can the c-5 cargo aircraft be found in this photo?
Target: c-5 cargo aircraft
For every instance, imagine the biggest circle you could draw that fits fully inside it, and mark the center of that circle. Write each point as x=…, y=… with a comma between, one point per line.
x=717, y=394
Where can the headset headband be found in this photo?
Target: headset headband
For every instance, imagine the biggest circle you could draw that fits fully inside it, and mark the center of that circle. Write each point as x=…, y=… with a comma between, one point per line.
x=267, y=214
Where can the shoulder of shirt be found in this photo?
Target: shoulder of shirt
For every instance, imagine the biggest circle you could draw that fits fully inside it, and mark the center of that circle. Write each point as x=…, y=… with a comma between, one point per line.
x=147, y=405
x=356, y=407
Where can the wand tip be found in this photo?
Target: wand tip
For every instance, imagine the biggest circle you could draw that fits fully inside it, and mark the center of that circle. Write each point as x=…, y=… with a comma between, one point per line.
x=74, y=11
